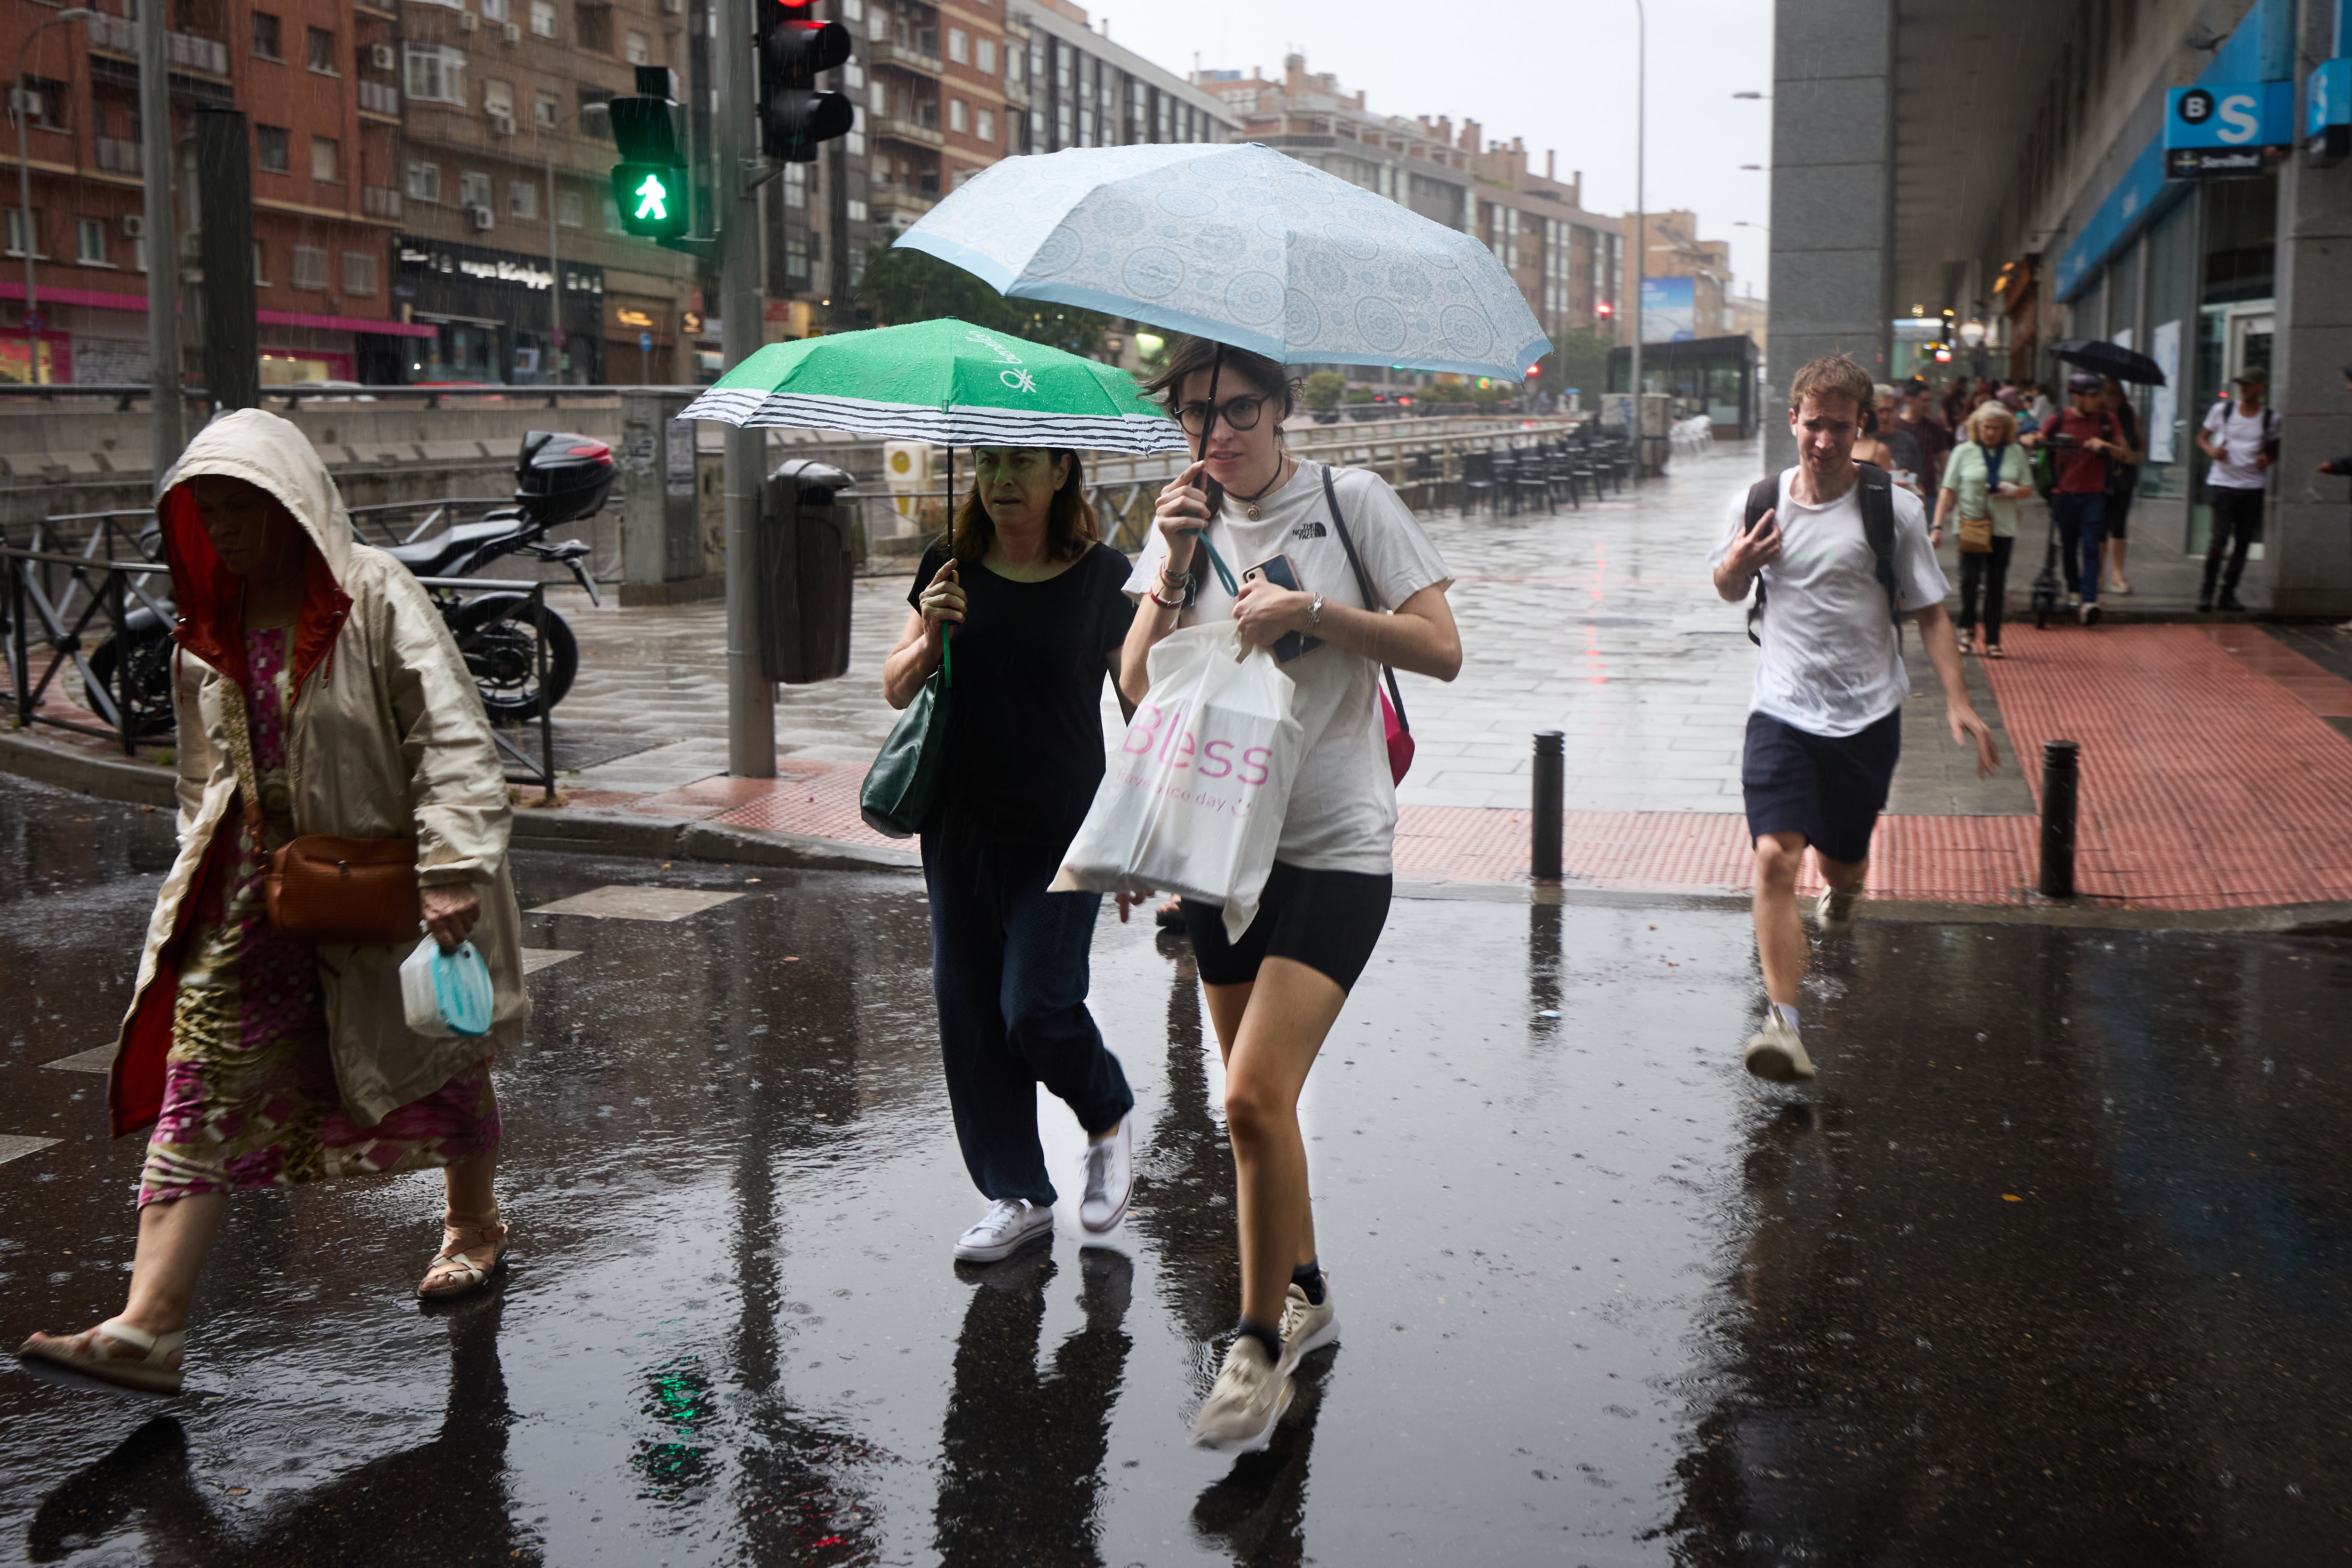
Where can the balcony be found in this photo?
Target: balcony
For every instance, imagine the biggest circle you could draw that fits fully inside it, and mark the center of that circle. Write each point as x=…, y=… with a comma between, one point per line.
x=897, y=127
x=1016, y=92
x=881, y=52
x=380, y=200
x=379, y=97
x=119, y=157
x=380, y=9
x=898, y=204
x=183, y=51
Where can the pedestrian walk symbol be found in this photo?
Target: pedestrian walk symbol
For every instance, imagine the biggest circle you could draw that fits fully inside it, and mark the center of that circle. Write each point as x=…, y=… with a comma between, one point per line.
x=653, y=201
x=650, y=199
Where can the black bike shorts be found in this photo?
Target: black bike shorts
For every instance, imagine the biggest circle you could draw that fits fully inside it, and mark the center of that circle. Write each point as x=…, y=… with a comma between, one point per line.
x=1328, y=921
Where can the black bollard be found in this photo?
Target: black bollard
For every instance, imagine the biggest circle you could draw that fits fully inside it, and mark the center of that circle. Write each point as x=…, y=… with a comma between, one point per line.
x=2061, y=784
x=1550, y=802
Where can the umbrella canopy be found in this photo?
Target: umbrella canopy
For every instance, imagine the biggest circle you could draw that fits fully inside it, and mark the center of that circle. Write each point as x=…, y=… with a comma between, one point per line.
x=944, y=381
x=1241, y=245
x=2108, y=359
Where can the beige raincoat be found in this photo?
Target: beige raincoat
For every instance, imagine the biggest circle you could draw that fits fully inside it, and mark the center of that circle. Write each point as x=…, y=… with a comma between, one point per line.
x=385, y=738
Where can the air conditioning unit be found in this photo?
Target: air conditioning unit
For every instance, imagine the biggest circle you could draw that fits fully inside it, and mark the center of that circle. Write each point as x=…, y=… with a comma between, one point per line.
x=673, y=7
x=134, y=225
x=467, y=21
x=479, y=217
x=380, y=57
x=503, y=124
x=512, y=33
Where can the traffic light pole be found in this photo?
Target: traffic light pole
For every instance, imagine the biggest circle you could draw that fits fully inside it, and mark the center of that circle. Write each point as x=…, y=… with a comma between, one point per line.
x=751, y=696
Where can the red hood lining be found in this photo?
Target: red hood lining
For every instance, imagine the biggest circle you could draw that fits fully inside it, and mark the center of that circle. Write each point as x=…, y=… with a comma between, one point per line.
x=210, y=598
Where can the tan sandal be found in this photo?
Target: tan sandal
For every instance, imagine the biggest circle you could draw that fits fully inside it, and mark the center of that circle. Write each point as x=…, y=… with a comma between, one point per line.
x=78, y=1362
x=471, y=1256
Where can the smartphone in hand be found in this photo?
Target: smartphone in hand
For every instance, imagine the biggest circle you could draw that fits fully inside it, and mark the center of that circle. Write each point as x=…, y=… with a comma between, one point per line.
x=1278, y=571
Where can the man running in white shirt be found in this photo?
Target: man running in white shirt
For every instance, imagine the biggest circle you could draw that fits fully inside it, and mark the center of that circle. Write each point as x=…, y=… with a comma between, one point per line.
x=1836, y=553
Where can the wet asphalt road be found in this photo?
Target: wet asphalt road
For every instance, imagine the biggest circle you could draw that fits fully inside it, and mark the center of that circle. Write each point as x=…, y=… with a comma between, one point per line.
x=2048, y=1267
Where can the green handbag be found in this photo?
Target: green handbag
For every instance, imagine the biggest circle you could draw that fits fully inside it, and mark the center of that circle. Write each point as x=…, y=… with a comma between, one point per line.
x=903, y=784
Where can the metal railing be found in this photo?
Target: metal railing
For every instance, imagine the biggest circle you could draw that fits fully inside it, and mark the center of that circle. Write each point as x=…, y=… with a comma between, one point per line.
x=64, y=592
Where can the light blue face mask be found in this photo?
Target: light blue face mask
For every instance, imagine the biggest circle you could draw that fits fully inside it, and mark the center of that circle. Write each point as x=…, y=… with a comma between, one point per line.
x=447, y=993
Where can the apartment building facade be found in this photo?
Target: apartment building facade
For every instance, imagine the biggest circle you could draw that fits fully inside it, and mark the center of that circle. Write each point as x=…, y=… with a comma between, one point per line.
x=322, y=149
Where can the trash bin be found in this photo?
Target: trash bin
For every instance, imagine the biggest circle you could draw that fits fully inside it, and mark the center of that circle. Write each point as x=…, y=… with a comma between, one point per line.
x=805, y=573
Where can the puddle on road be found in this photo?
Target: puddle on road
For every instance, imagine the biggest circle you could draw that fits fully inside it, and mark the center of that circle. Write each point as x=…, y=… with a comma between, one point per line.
x=1601, y=1299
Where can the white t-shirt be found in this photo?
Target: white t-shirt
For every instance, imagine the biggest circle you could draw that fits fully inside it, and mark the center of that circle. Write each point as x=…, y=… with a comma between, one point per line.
x=1343, y=815
x=1832, y=662
x=2240, y=436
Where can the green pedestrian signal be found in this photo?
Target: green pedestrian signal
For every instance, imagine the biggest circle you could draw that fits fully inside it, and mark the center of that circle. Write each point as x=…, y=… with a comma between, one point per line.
x=651, y=198
x=649, y=185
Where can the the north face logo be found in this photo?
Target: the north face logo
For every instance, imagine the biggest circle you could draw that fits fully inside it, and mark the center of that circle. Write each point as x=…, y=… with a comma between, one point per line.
x=1309, y=529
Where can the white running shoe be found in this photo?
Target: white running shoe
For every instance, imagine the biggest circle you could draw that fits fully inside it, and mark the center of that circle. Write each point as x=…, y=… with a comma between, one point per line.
x=1009, y=1224
x=1109, y=1178
x=1250, y=1397
x=1306, y=1327
x=1834, y=911
x=1775, y=1053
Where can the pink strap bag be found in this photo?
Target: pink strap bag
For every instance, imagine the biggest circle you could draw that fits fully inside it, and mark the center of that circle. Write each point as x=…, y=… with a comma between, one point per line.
x=1393, y=725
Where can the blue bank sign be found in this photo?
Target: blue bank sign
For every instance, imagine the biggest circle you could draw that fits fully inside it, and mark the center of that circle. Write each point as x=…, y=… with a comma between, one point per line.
x=2224, y=129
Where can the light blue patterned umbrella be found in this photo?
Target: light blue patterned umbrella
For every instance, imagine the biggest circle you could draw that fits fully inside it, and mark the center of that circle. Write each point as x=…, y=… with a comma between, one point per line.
x=1241, y=245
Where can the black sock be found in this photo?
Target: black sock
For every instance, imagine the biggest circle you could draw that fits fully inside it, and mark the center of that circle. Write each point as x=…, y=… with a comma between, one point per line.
x=1308, y=1277
x=1269, y=1338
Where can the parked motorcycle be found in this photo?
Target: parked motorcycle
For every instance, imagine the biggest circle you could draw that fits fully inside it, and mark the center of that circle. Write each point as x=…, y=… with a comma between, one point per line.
x=559, y=479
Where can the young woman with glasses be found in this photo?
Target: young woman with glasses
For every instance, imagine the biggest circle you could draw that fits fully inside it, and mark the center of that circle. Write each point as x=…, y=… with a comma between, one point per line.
x=1275, y=994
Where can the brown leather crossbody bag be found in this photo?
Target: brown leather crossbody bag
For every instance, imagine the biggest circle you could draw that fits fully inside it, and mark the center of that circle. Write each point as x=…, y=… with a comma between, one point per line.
x=319, y=887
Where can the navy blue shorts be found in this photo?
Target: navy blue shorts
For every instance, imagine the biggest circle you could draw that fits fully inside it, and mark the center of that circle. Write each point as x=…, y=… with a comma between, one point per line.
x=1830, y=788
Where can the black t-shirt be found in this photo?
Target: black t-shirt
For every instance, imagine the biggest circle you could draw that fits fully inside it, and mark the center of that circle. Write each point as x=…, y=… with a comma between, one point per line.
x=1024, y=717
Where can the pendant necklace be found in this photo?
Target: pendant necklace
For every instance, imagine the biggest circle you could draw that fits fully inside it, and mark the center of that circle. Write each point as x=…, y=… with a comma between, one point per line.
x=1249, y=503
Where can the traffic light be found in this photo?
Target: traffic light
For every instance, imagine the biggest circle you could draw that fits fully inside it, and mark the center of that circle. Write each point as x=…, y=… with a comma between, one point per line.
x=795, y=116
x=649, y=183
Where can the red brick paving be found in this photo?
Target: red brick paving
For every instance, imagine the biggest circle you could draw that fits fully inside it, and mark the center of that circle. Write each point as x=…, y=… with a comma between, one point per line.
x=2211, y=780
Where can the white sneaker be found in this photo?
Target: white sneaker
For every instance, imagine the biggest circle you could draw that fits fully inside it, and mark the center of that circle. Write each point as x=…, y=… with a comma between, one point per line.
x=1306, y=1327
x=1009, y=1224
x=1250, y=1397
x=1109, y=1178
x=1834, y=910
x=1775, y=1053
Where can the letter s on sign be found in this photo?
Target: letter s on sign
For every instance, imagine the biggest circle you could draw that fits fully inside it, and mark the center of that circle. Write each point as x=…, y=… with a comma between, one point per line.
x=1255, y=757
x=2238, y=120
x=1213, y=763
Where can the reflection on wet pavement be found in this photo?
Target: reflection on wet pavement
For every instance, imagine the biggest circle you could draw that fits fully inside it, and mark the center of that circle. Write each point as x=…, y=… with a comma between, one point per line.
x=2046, y=1268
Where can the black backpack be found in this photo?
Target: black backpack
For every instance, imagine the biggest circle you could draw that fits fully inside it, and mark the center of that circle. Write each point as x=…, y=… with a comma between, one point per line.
x=1877, y=527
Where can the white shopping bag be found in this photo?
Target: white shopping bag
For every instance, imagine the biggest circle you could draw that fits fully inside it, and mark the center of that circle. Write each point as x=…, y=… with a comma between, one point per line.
x=1193, y=799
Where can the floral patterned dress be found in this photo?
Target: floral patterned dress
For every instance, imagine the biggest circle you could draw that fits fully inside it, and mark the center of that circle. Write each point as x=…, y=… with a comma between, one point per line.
x=249, y=1093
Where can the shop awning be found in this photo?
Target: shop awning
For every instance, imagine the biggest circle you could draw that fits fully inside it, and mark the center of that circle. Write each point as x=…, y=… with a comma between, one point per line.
x=94, y=300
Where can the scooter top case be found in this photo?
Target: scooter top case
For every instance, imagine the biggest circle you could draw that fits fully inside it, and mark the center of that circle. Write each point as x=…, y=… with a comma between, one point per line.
x=562, y=477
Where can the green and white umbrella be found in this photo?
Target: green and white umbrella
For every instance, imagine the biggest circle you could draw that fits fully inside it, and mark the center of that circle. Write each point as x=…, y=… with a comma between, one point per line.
x=946, y=381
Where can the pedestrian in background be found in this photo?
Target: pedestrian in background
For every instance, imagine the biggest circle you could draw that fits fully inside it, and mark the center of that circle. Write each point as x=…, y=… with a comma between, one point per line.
x=1029, y=594
x=2123, y=478
x=1984, y=478
x=317, y=692
x=2081, y=440
x=1884, y=432
x=2341, y=466
x=1275, y=994
x=1918, y=421
x=1825, y=721
x=2240, y=437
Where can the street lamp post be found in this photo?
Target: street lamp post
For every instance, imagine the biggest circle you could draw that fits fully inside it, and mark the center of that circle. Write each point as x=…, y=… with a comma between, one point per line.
x=24, y=175
x=1641, y=203
x=551, y=369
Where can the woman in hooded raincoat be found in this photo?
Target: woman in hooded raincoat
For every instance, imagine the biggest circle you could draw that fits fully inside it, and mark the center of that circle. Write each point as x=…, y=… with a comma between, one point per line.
x=315, y=682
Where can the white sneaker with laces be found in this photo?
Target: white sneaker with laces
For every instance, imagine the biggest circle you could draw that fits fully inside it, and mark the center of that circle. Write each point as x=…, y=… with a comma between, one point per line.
x=1306, y=1327
x=1009, y=1224
x=1834, y=911
x=1776, y=1054
x=1110, y=1170
x=1250, y=1397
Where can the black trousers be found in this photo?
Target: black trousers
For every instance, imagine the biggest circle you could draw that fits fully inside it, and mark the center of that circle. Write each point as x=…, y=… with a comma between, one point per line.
x=1009, y=966
x=1990, y=573
x=2237, y=528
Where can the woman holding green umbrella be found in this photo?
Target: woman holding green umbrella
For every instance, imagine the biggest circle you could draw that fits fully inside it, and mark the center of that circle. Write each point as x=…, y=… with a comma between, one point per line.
x=1031, y=598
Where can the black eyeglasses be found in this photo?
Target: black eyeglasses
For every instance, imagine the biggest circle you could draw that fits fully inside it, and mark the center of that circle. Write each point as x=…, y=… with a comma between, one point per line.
x=1241, y=413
